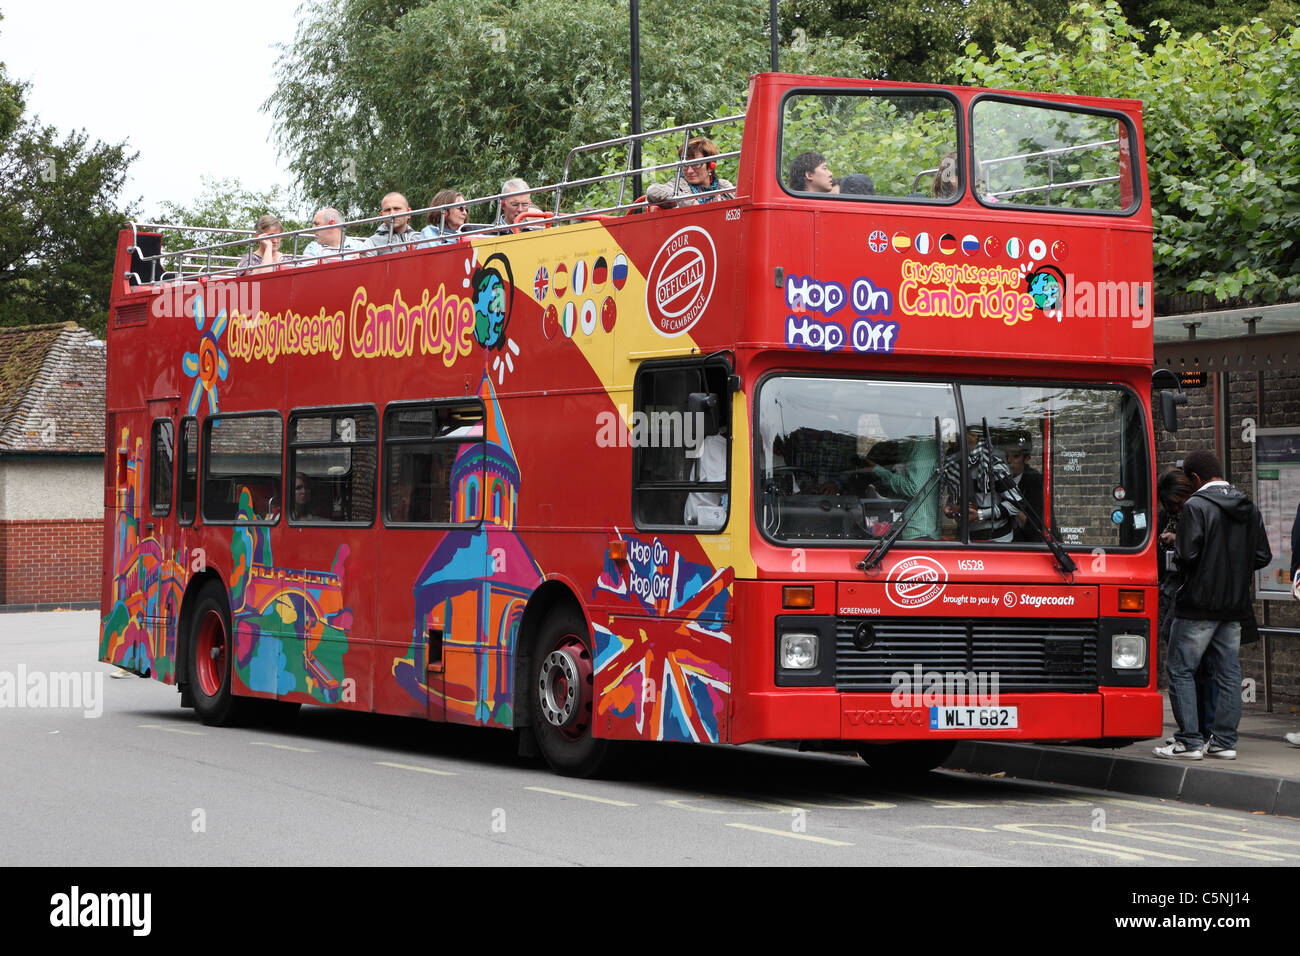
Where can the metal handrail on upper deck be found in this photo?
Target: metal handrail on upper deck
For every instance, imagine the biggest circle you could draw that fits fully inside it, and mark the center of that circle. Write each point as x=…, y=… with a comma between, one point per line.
x=210, y=254
x=634, y=138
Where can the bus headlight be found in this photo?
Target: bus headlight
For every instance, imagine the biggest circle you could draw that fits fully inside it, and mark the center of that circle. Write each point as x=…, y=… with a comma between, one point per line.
x=798, y=651
x=1128, y=651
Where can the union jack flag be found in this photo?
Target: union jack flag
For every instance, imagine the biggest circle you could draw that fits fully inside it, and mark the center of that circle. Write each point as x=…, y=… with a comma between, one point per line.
x=666, y=676
x=541, y=283
x=878, y=241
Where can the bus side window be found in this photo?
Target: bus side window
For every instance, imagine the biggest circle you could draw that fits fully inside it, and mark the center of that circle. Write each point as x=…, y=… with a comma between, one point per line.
x=433, y=455
x=188, y=478
x=160, y=468
x=334, y=459
x=681, y=447
x=243, y=457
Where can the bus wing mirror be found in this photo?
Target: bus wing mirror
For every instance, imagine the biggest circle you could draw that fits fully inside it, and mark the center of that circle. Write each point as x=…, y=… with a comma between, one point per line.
x=1169, y=402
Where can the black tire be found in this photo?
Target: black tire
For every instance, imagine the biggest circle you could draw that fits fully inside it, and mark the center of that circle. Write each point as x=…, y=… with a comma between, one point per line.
x=210, y=659
x=907, y=758
x=561, y=688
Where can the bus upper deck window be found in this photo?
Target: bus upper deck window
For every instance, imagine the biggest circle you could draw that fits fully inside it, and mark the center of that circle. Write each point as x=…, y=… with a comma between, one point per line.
x=873, y=145
x=1052, y=157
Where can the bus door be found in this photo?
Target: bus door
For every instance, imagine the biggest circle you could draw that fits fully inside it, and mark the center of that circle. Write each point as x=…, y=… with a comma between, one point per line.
x=161, y=583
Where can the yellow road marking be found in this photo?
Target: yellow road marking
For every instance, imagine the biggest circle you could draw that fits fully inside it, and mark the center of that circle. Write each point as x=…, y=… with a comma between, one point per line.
x=788, y=833
x=410, y=766
x=580, y=796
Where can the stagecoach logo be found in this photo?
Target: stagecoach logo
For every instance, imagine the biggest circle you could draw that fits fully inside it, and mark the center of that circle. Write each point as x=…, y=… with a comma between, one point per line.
x=680, y=282
x=916, y=582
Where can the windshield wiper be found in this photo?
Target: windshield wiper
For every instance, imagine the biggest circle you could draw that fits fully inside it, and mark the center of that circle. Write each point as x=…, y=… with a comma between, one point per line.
x=877, y=554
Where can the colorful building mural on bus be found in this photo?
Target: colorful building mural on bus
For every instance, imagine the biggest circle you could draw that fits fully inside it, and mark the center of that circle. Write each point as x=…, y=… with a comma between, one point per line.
x=474, y=586
x=291, y=626
x=139, y=628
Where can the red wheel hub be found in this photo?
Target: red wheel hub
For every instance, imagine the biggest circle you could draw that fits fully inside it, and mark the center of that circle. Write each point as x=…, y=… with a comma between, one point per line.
x=210, y=653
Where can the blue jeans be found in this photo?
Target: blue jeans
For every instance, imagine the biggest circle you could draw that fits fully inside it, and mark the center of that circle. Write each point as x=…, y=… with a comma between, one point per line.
x=1218, y=642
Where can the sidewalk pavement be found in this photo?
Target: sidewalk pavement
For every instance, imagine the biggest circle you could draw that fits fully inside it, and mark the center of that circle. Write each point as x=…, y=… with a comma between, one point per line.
x=1264, y=778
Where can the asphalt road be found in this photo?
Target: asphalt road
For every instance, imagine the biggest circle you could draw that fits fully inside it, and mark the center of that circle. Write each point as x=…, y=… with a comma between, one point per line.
x=144, y=783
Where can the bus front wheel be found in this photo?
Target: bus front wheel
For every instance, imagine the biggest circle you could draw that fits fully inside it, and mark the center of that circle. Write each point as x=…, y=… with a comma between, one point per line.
x=563, y=697
x=211, y=653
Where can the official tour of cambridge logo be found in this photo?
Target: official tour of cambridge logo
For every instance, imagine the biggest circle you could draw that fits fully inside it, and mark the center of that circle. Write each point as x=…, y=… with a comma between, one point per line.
x=915, y=582
x=680, y=282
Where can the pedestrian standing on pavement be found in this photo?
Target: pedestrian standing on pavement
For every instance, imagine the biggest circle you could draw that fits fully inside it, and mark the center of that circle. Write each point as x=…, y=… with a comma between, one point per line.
x=1219, y=544
x=1172, y=490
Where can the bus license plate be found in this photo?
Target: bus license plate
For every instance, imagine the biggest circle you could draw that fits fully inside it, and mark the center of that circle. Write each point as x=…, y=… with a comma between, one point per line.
x=974, y=718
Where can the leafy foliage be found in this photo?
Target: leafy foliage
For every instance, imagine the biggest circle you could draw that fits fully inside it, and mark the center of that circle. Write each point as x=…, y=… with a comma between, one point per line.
x=376, y=95
x=1221, y=142
x=224, y=204
x=58, y=219
x=918, y=40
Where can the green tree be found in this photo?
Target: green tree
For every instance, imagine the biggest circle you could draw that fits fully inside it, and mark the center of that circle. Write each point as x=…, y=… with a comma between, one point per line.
x=919, y=40
x=225, y=204
x=1221, y=141
x=1206, y=16
x=58, y=218
x=374, y=96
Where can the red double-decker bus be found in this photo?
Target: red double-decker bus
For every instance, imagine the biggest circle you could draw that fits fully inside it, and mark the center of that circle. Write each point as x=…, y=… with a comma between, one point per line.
x=870, y=467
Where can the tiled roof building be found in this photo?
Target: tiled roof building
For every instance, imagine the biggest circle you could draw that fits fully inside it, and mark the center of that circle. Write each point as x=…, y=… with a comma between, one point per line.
x=51, y=464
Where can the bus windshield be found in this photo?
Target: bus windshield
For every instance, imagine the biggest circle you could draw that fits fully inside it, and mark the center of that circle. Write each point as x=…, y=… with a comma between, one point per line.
x=840, y=460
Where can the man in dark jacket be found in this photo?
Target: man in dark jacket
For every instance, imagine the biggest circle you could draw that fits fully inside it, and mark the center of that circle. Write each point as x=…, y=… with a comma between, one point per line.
x=1220, y=543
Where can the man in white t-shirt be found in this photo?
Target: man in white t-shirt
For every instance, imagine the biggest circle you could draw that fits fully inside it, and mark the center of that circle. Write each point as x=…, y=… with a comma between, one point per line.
x=708, y=509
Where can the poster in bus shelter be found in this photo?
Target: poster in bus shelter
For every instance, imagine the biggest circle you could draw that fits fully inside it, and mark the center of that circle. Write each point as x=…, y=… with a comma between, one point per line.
x=1277, y=492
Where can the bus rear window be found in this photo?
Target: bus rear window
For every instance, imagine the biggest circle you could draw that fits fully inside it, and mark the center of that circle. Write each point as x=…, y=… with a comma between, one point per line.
x=1033, y=155
x=895, y=146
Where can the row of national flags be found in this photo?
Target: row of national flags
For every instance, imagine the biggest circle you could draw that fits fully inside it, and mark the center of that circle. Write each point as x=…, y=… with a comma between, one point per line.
x=580, y=278
x=970, y=244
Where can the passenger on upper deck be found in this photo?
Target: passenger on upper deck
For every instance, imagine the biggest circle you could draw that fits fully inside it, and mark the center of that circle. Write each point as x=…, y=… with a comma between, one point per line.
x=267, y=254
x=514, y=206
x=857, y=184
x=395, y=233
x=694, y=183
x=329, y=239
x=444, y=227
x=945, y=177
x=810, y=174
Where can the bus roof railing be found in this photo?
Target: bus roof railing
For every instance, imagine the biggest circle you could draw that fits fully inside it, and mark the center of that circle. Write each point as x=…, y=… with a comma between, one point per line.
x=634, y=138
x=210, y=254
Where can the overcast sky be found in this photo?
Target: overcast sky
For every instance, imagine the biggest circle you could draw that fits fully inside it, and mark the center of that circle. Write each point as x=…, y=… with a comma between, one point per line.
x=92, y=63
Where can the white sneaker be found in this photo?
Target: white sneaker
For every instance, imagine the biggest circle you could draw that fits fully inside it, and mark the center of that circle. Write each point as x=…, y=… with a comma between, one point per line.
x=1293, y=739
x=1178, y=751
x=1220, y=751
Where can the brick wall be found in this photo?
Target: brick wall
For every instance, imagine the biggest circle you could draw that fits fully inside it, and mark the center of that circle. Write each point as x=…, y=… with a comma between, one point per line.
x=1271, y=397
x=50, y=561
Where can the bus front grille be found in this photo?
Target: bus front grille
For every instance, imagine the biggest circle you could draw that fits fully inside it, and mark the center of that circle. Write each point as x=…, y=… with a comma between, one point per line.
x=1028, y=656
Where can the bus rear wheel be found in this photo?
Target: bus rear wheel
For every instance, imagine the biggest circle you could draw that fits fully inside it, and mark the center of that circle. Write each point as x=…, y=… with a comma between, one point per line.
x=211, y=655
x=563, y=697
x=908, y=757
